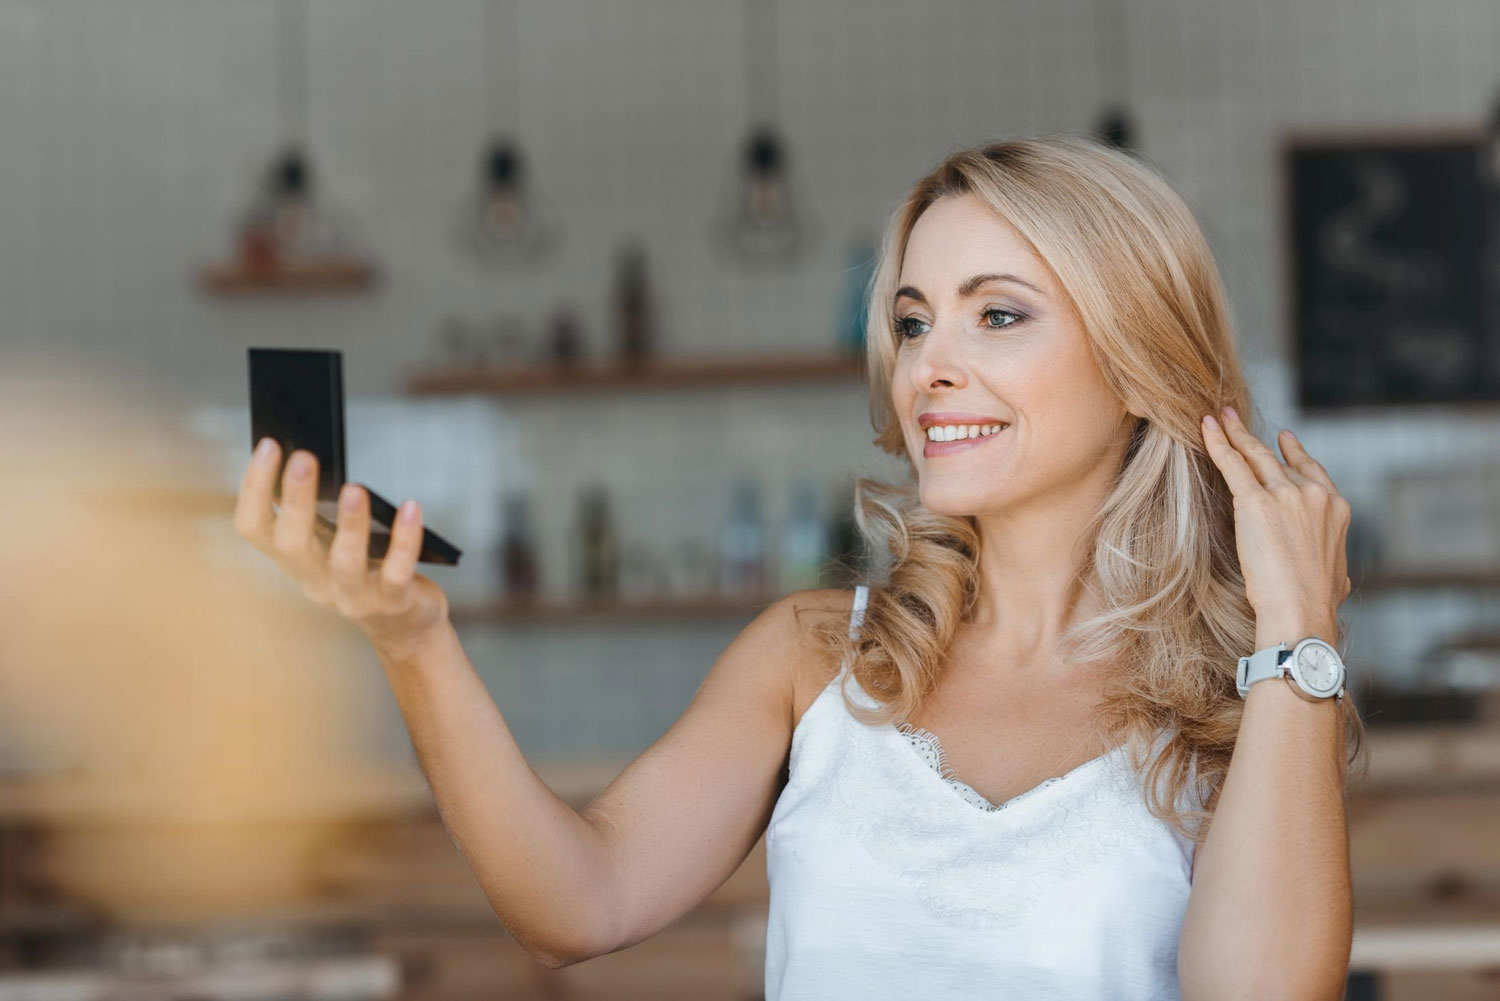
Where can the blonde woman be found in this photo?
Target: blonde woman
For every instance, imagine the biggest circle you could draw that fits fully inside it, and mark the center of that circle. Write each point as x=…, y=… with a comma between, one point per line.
x=1021, y=765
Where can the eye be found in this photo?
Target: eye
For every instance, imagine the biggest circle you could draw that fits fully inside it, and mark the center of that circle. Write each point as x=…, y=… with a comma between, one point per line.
x=1011, y=317
x=902, y=325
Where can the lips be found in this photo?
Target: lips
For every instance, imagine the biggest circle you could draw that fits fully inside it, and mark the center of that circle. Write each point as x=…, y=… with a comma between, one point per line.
x=932, y=448
x=931, y=417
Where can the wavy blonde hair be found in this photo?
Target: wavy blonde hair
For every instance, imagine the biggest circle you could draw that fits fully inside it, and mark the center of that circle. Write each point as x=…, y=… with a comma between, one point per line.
x=1134, y=264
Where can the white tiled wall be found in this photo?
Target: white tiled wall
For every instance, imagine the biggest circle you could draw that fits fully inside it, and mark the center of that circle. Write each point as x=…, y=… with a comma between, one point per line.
x=131, y=132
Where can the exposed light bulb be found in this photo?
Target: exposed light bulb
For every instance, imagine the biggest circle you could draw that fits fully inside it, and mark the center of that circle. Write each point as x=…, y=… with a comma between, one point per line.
x=286, y=221
x=762, y=223
x=505, y=221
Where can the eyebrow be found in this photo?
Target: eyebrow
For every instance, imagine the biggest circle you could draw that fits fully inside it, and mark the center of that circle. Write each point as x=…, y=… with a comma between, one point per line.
x=969, y=287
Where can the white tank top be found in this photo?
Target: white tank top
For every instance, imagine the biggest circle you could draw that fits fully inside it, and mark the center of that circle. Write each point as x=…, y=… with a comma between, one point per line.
x=888, y=880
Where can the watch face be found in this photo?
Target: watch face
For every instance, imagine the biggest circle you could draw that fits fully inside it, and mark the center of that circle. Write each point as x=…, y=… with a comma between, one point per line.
x=1319, y=668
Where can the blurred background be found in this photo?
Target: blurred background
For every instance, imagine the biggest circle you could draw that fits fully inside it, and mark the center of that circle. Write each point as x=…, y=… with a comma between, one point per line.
x=595, y=274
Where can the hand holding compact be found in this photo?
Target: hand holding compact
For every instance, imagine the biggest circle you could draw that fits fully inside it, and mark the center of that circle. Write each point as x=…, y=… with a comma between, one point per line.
x=1289, y=520
x=391, y=603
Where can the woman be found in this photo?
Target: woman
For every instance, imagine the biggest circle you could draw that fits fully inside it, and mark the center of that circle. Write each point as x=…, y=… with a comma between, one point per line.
x=1070, y=589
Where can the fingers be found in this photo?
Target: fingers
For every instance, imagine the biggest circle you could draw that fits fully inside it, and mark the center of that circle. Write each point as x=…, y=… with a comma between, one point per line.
x=253, y=516
x=1237, y=472
x=401, y=557
x=1268, y=468
x=1298, y=459
x=293, y=543
x=348, y=556
x=342, y=574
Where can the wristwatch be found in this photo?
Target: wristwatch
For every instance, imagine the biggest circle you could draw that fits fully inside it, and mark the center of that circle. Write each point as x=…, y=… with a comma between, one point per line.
x=1313, y=668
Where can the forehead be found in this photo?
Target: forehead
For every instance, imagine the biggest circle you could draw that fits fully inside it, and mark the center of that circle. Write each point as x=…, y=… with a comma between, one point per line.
x=958, y=236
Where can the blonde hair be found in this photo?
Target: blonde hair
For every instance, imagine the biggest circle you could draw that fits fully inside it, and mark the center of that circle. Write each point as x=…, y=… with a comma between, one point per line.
x=1134, y=264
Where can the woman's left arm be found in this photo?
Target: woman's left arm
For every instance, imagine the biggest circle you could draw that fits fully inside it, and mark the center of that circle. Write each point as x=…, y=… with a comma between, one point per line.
x=1271, y=911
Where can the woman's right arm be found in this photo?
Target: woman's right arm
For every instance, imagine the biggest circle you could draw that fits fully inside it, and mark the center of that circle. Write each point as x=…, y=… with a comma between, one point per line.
x=567, y=885
x=538, y=861
x=668, y=831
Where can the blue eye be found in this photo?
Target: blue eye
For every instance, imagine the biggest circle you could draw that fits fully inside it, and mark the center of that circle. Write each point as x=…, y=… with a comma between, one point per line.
x=902, y=326
x=993, y=311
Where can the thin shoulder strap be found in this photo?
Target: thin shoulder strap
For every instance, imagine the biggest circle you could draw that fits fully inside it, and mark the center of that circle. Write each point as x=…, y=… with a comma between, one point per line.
x=857, y=616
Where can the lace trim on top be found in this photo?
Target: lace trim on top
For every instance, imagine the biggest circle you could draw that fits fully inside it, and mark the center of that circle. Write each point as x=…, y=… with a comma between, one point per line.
x=924, y=742
x=927, y=745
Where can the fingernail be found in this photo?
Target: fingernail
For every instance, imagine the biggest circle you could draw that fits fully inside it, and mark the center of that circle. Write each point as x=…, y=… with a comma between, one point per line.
x=349, y=499
x=409, y=512
x=301, y=466
x=1229, y=412
x=1209, y=420
x=263, y=450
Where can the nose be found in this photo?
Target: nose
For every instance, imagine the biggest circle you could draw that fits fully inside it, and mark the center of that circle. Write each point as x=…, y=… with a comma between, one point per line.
x=939, y=359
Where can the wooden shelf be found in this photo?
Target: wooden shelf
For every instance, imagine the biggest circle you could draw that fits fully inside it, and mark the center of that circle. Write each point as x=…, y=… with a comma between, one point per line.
x=653, y=374
x=612, y=610
x=329, y=275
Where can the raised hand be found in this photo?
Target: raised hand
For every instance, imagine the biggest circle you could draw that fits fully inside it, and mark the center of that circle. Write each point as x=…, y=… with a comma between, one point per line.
x=1290, y=521
x=396, y=607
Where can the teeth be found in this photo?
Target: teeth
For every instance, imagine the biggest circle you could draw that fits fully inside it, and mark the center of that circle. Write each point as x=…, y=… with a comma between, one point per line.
x=953, y=432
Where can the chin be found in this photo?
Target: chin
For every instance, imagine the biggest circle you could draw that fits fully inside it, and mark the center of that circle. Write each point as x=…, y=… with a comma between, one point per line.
x=958, y=502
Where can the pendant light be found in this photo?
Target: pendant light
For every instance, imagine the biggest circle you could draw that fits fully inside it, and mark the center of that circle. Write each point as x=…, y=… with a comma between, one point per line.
x=504, y=221
x=289, y=201
x=1114, y=125
x=289, y=237
x=760, y=222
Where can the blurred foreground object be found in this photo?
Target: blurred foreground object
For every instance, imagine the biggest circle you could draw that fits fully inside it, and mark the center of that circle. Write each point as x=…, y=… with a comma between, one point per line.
x=159, y=709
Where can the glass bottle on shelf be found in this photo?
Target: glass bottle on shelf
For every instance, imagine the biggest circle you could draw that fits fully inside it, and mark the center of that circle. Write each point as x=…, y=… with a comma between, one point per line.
x=564, y=338
x=460, y=345
x=692, y=570
x=509, y=339
x=640, y=576
x=518, y=560
x=632, y=305
x=598, y=547
x=804, y=540
x=742, y=546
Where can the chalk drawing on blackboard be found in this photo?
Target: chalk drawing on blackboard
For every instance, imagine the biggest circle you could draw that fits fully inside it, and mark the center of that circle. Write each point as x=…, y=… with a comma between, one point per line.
x=1390, y=283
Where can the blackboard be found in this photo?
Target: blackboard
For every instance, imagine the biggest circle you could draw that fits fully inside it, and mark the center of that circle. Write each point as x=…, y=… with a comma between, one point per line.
x=1395, y=271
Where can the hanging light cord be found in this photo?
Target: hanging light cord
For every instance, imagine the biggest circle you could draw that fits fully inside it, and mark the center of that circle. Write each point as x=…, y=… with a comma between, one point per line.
x=502, y=74
x=1113, y=49
x=291, y=71
x=760, y=60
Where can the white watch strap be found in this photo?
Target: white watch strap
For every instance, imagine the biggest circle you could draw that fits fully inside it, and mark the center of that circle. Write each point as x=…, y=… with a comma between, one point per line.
x=1260, y=665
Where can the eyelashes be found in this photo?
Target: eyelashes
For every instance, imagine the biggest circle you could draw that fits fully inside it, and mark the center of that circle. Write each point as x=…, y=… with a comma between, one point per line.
x=901, y=326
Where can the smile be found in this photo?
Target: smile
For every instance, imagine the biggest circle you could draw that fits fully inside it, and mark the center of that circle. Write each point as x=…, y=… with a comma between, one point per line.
x=932, y=448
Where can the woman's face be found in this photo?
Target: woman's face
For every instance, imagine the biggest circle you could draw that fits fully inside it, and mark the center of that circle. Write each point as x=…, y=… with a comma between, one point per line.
x=985, y=337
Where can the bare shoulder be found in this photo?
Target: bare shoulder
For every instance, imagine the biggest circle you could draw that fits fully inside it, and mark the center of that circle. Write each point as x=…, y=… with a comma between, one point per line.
x=687, y=811
x=810, y=666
